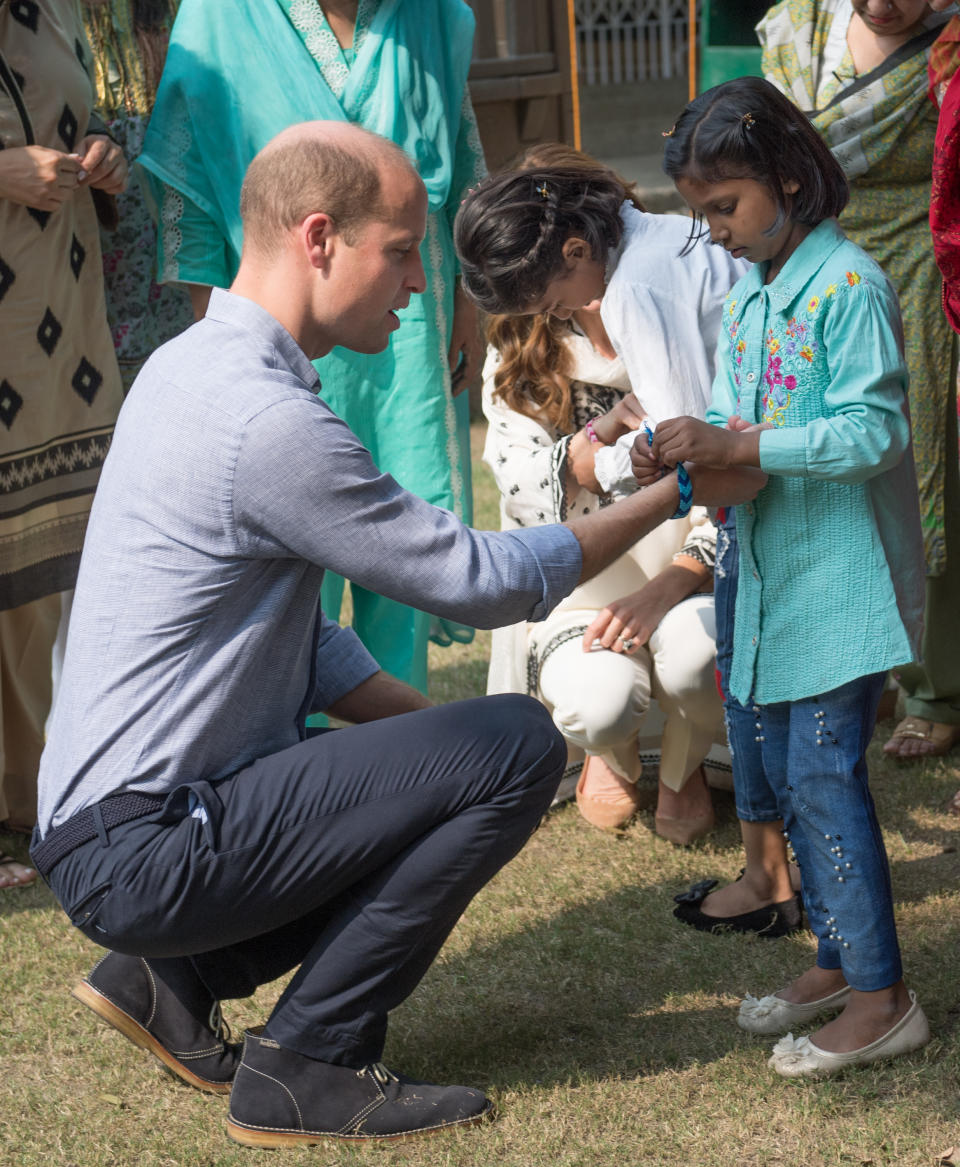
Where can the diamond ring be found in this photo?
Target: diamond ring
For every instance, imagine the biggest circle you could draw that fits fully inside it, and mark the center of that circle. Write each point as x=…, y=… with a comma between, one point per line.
x=627, y=643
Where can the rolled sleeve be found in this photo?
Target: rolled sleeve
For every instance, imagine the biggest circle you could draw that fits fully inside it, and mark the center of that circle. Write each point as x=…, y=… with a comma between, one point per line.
x=342, y=664
x=556, y=557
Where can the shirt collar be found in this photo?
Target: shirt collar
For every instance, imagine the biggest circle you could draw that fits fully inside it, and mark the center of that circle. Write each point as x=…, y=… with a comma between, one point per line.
x=800, y=268
x=229, y=308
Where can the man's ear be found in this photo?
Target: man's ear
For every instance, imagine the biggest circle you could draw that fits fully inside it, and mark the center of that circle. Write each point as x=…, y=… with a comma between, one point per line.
x=575, y=249
x=317, y=235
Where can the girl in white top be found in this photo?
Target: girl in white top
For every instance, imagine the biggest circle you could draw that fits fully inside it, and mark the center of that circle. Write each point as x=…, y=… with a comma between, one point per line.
x=559, y=237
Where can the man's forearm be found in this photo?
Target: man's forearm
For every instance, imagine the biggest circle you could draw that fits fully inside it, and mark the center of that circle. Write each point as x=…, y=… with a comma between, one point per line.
x=378, y=696
x=605, y=535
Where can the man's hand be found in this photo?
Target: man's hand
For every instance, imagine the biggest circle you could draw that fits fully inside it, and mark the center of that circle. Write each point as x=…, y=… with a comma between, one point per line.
x=725, y=488
x=466, y=346
x=103, y=164
x=37, y=177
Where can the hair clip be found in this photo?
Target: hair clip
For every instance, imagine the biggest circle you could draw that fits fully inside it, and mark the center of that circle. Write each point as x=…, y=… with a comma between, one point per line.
x=749, y=121
x=668, y=133
x=542, y=190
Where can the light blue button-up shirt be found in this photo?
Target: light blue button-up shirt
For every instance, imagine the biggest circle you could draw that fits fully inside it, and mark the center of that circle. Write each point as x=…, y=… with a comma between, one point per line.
x=196, y=639
x=832, y=576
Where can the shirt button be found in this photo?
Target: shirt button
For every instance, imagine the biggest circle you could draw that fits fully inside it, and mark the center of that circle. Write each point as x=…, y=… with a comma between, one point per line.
x=756, y=574
x=754, y=641
x=751, y=377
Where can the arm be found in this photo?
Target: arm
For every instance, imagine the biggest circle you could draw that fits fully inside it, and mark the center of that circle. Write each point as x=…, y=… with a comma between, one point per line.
x=379, y=696
x=191, y=249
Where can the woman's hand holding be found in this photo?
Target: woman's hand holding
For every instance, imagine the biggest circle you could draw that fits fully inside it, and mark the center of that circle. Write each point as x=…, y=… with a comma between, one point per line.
x=103, y=164
x=466, y=346
x=38, y=177
x=626, y=415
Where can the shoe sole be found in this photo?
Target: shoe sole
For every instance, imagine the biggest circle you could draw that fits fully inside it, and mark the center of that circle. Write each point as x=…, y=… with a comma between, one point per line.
x=105, y=1009
x=265, y=1139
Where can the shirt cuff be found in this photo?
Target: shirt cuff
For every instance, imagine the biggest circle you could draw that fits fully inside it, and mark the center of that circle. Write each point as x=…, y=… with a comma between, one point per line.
x=342, y=664
x=612, y=467
x=557, y=552
x=784, y=451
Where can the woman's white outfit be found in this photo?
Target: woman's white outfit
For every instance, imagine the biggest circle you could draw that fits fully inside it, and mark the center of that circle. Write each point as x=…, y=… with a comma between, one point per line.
x=602, y=701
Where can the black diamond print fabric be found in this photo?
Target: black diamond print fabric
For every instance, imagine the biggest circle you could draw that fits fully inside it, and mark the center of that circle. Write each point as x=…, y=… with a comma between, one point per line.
x=77, y=255
x=7, y=277
x=67, y=127
x=10, y=402
x=27, y=12
x=49, y=332
x=40, y=216
x=86, y=380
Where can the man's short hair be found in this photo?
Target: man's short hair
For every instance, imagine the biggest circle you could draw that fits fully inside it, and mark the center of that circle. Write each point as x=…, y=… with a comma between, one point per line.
x=292, y=179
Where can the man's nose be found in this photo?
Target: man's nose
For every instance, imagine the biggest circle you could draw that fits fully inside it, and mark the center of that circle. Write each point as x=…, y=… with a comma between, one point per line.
x=417, y=280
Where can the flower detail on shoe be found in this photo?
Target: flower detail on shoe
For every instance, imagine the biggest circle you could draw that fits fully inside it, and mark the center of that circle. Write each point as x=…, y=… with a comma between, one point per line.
x=773, y=1014
x=697, y=893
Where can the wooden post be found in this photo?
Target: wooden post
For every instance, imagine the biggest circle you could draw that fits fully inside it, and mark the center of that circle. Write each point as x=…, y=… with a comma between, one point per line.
x=692, y=50
x=574, y=75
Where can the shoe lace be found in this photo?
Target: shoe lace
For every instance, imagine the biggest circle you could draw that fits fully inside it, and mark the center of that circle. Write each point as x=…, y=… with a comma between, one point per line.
x=380, y=1072
x=216, y=1022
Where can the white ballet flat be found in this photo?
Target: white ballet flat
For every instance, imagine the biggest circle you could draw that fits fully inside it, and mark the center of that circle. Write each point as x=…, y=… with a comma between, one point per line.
x=774, y=1015
x=798, y=1057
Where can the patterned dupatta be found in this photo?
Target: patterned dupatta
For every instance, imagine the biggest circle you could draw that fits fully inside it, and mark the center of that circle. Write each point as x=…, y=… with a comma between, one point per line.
x=861, y=119
x=945, y=193
x=238, y=73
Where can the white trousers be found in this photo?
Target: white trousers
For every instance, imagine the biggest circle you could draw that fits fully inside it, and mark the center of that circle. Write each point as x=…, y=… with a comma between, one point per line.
x=601, y=699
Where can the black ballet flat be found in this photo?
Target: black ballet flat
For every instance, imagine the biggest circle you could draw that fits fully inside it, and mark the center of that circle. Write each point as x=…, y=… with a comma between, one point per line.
x=771, y=922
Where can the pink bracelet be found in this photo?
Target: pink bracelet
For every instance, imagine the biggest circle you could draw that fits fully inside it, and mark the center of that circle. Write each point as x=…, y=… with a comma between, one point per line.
x=592, y=433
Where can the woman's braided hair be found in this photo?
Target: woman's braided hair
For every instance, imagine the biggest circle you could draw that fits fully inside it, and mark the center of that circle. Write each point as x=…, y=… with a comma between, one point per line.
x=510, y=230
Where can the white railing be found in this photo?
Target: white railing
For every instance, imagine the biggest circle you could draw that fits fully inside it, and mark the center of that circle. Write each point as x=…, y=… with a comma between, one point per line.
x=631, y=40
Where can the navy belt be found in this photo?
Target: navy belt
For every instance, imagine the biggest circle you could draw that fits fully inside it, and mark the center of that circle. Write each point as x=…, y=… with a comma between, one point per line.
x=89, y=823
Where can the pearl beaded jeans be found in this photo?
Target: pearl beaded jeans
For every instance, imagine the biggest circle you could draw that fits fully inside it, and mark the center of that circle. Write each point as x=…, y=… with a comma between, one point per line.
x=814, y=757
x=755, y=799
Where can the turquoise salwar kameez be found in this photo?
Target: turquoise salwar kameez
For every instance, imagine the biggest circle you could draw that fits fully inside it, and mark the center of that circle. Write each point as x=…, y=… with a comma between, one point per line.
x=235, y=76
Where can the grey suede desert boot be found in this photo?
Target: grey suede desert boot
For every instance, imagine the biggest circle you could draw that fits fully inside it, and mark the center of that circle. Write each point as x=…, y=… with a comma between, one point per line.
x=125, y=993
x=282, y=1098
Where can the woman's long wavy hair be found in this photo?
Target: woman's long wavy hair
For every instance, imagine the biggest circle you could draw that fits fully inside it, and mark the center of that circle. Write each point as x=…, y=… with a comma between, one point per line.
x=533, y=377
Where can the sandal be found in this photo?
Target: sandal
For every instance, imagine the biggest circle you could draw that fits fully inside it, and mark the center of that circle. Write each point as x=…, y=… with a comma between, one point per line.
x=9, y=877
x=938, y=739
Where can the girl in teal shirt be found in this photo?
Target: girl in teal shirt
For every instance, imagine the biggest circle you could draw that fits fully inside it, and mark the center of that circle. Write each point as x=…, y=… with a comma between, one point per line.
x=810, y=387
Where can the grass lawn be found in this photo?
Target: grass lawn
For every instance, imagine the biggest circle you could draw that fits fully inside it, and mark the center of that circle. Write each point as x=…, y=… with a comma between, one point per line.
x=604, y=1030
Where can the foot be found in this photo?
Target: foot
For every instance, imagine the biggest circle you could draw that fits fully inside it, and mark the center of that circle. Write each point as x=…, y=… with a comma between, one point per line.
x=915, y=737
x=686, y=814
x=953, y=806
x=283, y=1098
x=13, y=873
x=813, y=985
x=753, y=890
x=771, y=921
x=125, y=993
x=605, y=799
x=866, y=1018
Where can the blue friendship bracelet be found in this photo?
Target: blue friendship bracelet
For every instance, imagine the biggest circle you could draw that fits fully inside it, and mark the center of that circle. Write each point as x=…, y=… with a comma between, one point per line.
x=685, y=489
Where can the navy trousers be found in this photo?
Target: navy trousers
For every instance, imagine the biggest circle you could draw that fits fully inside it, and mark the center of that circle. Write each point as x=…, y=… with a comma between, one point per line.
x=351, y=854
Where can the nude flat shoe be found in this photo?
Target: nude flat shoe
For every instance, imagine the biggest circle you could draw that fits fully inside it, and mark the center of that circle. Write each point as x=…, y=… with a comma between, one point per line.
x=608, y=813
x=798, y=1057
x=775, y=1015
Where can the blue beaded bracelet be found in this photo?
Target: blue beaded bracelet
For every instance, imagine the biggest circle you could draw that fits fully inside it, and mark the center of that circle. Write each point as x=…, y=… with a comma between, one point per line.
x=685, y=490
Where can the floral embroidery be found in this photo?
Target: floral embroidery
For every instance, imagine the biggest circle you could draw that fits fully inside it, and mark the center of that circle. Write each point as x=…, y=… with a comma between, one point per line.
x=814, y=304
x=733, y=305
x=852, y=278
x=807, y=353
x=773, y=344
x=831, y=290
x=776, y=398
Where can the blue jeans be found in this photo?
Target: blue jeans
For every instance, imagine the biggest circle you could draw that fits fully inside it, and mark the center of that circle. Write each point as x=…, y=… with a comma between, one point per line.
x=814, y=756
x=755, y=799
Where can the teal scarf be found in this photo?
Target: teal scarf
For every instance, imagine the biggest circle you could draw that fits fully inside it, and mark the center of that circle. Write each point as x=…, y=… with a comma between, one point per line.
x=238, y=73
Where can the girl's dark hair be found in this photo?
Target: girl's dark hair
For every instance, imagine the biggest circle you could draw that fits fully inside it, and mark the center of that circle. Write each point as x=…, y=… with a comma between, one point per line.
x=511, y=228
x=746, y=128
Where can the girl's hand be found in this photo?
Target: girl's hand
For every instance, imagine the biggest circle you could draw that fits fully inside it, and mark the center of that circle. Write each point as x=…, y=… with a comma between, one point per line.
x=646, y=468
x=627, y=415
x=38, y=177
x=685, y=439
x=466, y=347
x=103, y=164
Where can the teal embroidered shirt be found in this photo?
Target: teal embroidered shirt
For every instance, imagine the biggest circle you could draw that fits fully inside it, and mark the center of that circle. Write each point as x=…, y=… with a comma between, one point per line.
x=831, y=558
